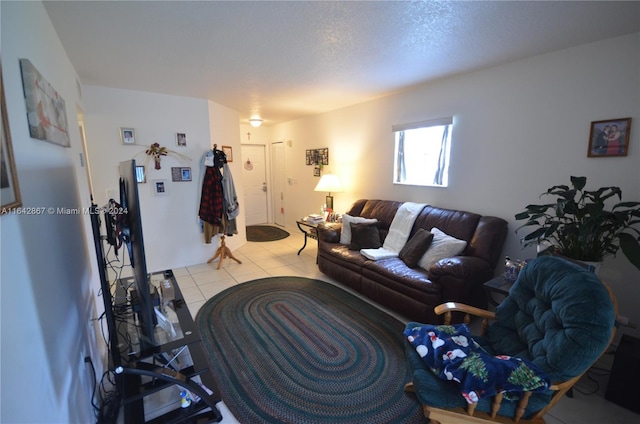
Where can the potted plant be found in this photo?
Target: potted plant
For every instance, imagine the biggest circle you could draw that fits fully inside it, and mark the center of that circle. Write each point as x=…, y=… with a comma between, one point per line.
x=578, y=226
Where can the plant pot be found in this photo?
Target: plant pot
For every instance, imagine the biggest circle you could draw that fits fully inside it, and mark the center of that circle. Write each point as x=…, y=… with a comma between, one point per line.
x=589, y=265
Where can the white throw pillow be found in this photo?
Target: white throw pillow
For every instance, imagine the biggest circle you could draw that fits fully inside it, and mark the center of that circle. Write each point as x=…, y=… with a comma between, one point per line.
x=345, y=234
x=442, y=246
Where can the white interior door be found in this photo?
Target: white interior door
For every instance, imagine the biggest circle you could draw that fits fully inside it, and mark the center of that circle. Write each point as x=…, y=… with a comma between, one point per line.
x=278, y=183
x=254, y=180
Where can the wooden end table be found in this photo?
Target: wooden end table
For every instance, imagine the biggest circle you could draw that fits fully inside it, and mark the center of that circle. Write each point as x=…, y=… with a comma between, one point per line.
x=498, y=285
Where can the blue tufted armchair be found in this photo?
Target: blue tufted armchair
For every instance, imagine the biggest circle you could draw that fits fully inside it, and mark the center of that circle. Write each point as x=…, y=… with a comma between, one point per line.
x=557, y=316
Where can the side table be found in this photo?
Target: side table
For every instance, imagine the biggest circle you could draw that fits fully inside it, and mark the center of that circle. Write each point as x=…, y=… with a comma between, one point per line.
x=309, y=229
x=498, y=285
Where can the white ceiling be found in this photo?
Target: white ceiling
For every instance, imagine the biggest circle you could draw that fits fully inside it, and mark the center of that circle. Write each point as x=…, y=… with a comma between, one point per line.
x=285, y=60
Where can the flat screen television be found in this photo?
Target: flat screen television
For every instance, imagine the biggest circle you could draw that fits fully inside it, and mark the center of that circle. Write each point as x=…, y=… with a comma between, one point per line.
x=141, y=298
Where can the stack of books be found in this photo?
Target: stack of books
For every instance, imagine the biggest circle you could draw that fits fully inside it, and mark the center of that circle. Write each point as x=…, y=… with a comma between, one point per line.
x=314, y=218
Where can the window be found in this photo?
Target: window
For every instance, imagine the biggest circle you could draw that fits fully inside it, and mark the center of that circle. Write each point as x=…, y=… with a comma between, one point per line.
x=422, y=152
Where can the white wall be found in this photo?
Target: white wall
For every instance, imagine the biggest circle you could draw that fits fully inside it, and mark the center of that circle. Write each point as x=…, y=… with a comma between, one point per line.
x=48, y=283
x=172, y=233
x=518, y=129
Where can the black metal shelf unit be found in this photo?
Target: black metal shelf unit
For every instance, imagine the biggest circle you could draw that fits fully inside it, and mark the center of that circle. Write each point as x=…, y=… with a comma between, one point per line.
x=141, y=368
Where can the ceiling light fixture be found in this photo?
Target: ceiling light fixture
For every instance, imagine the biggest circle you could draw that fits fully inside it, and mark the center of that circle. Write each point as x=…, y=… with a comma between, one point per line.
x=255, y=122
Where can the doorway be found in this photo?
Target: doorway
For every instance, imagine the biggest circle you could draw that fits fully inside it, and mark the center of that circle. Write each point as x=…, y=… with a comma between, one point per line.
x=254, y=179
x=278, y=182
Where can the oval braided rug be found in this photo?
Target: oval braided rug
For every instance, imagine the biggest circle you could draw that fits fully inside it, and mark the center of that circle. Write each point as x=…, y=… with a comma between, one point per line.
x=265, y=233
x=296, y=350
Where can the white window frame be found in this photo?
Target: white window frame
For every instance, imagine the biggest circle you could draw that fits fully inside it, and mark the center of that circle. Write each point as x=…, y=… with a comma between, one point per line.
x=439, y=157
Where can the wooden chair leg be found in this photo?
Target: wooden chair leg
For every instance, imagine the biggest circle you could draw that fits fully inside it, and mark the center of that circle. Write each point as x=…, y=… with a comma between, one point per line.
x=495, y=406
x=522, y=405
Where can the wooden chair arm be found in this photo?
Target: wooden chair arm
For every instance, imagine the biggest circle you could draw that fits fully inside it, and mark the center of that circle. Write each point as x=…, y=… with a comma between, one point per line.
x=448, y=307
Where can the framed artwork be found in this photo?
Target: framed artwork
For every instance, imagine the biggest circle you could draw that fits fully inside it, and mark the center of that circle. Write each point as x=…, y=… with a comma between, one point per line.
x=127, y=135
x=228, y=152
x=180, y=174
x=609, y=138
x=9, y=189
x=181, y=139
x=46, y=111
x=140, y=176
x=317, y=156
x=323, y=156
x=160, y=188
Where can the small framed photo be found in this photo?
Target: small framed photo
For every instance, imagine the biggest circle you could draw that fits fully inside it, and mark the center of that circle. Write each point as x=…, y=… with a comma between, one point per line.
x=181, y=139
x=180, y=174
x=140, y=176
x=609, y=138
x=9, y=189
x=128, y=135
x=160, y=188
x=228, y=152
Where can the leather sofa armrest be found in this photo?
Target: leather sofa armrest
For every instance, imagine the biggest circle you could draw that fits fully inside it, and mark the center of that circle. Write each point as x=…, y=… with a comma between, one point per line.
x=460, y=279
x=463, y=267
x=329, y=232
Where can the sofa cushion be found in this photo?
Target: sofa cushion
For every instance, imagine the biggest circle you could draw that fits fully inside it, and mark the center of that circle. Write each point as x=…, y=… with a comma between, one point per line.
x=442, y=246
x=382, y=210
x=365, y=236
x=416, y=247
x=396, y=274
x=459, y=224
x=347, y=220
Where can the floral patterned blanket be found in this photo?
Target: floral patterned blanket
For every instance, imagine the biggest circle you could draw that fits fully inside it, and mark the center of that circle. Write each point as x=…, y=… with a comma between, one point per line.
x=451, y=354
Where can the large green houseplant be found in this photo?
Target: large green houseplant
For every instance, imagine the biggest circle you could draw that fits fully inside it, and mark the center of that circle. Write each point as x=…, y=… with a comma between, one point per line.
x=578, y=226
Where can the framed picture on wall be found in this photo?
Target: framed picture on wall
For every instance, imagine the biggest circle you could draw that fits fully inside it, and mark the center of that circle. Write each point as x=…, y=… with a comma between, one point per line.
x=181, y=139
x=609, y=137
x=46, y=110
x=9, y=190
x=228, y=152
x=160, y=187
x=180, y=174
x=128, y=135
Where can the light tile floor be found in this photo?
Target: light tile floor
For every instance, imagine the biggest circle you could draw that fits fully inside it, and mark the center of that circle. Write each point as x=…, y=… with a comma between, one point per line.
x=259, y=260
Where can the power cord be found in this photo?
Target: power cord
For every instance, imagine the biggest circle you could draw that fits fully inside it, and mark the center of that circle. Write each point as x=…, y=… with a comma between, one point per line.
x=106, y=412
x=110, y=400
x=593, y=374
x=89, y=361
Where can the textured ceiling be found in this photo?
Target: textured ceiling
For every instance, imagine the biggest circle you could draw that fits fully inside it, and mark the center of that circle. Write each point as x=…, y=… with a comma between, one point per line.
x=285, y=60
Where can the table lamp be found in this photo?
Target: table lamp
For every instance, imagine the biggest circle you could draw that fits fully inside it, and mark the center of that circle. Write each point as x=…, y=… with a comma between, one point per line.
x=329, y=183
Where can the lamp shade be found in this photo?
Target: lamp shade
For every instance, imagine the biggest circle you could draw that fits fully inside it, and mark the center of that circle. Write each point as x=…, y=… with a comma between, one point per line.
x=329, y=183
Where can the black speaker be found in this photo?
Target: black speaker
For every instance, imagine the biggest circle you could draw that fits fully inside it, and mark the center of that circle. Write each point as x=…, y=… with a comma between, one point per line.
x=625, y=374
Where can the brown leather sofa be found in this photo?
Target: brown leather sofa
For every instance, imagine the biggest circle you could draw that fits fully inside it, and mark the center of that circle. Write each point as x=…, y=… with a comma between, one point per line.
x=414, y=292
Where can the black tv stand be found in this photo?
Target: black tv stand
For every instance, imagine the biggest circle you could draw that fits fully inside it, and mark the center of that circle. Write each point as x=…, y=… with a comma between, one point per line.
x=145, y=365
x=142, y=369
